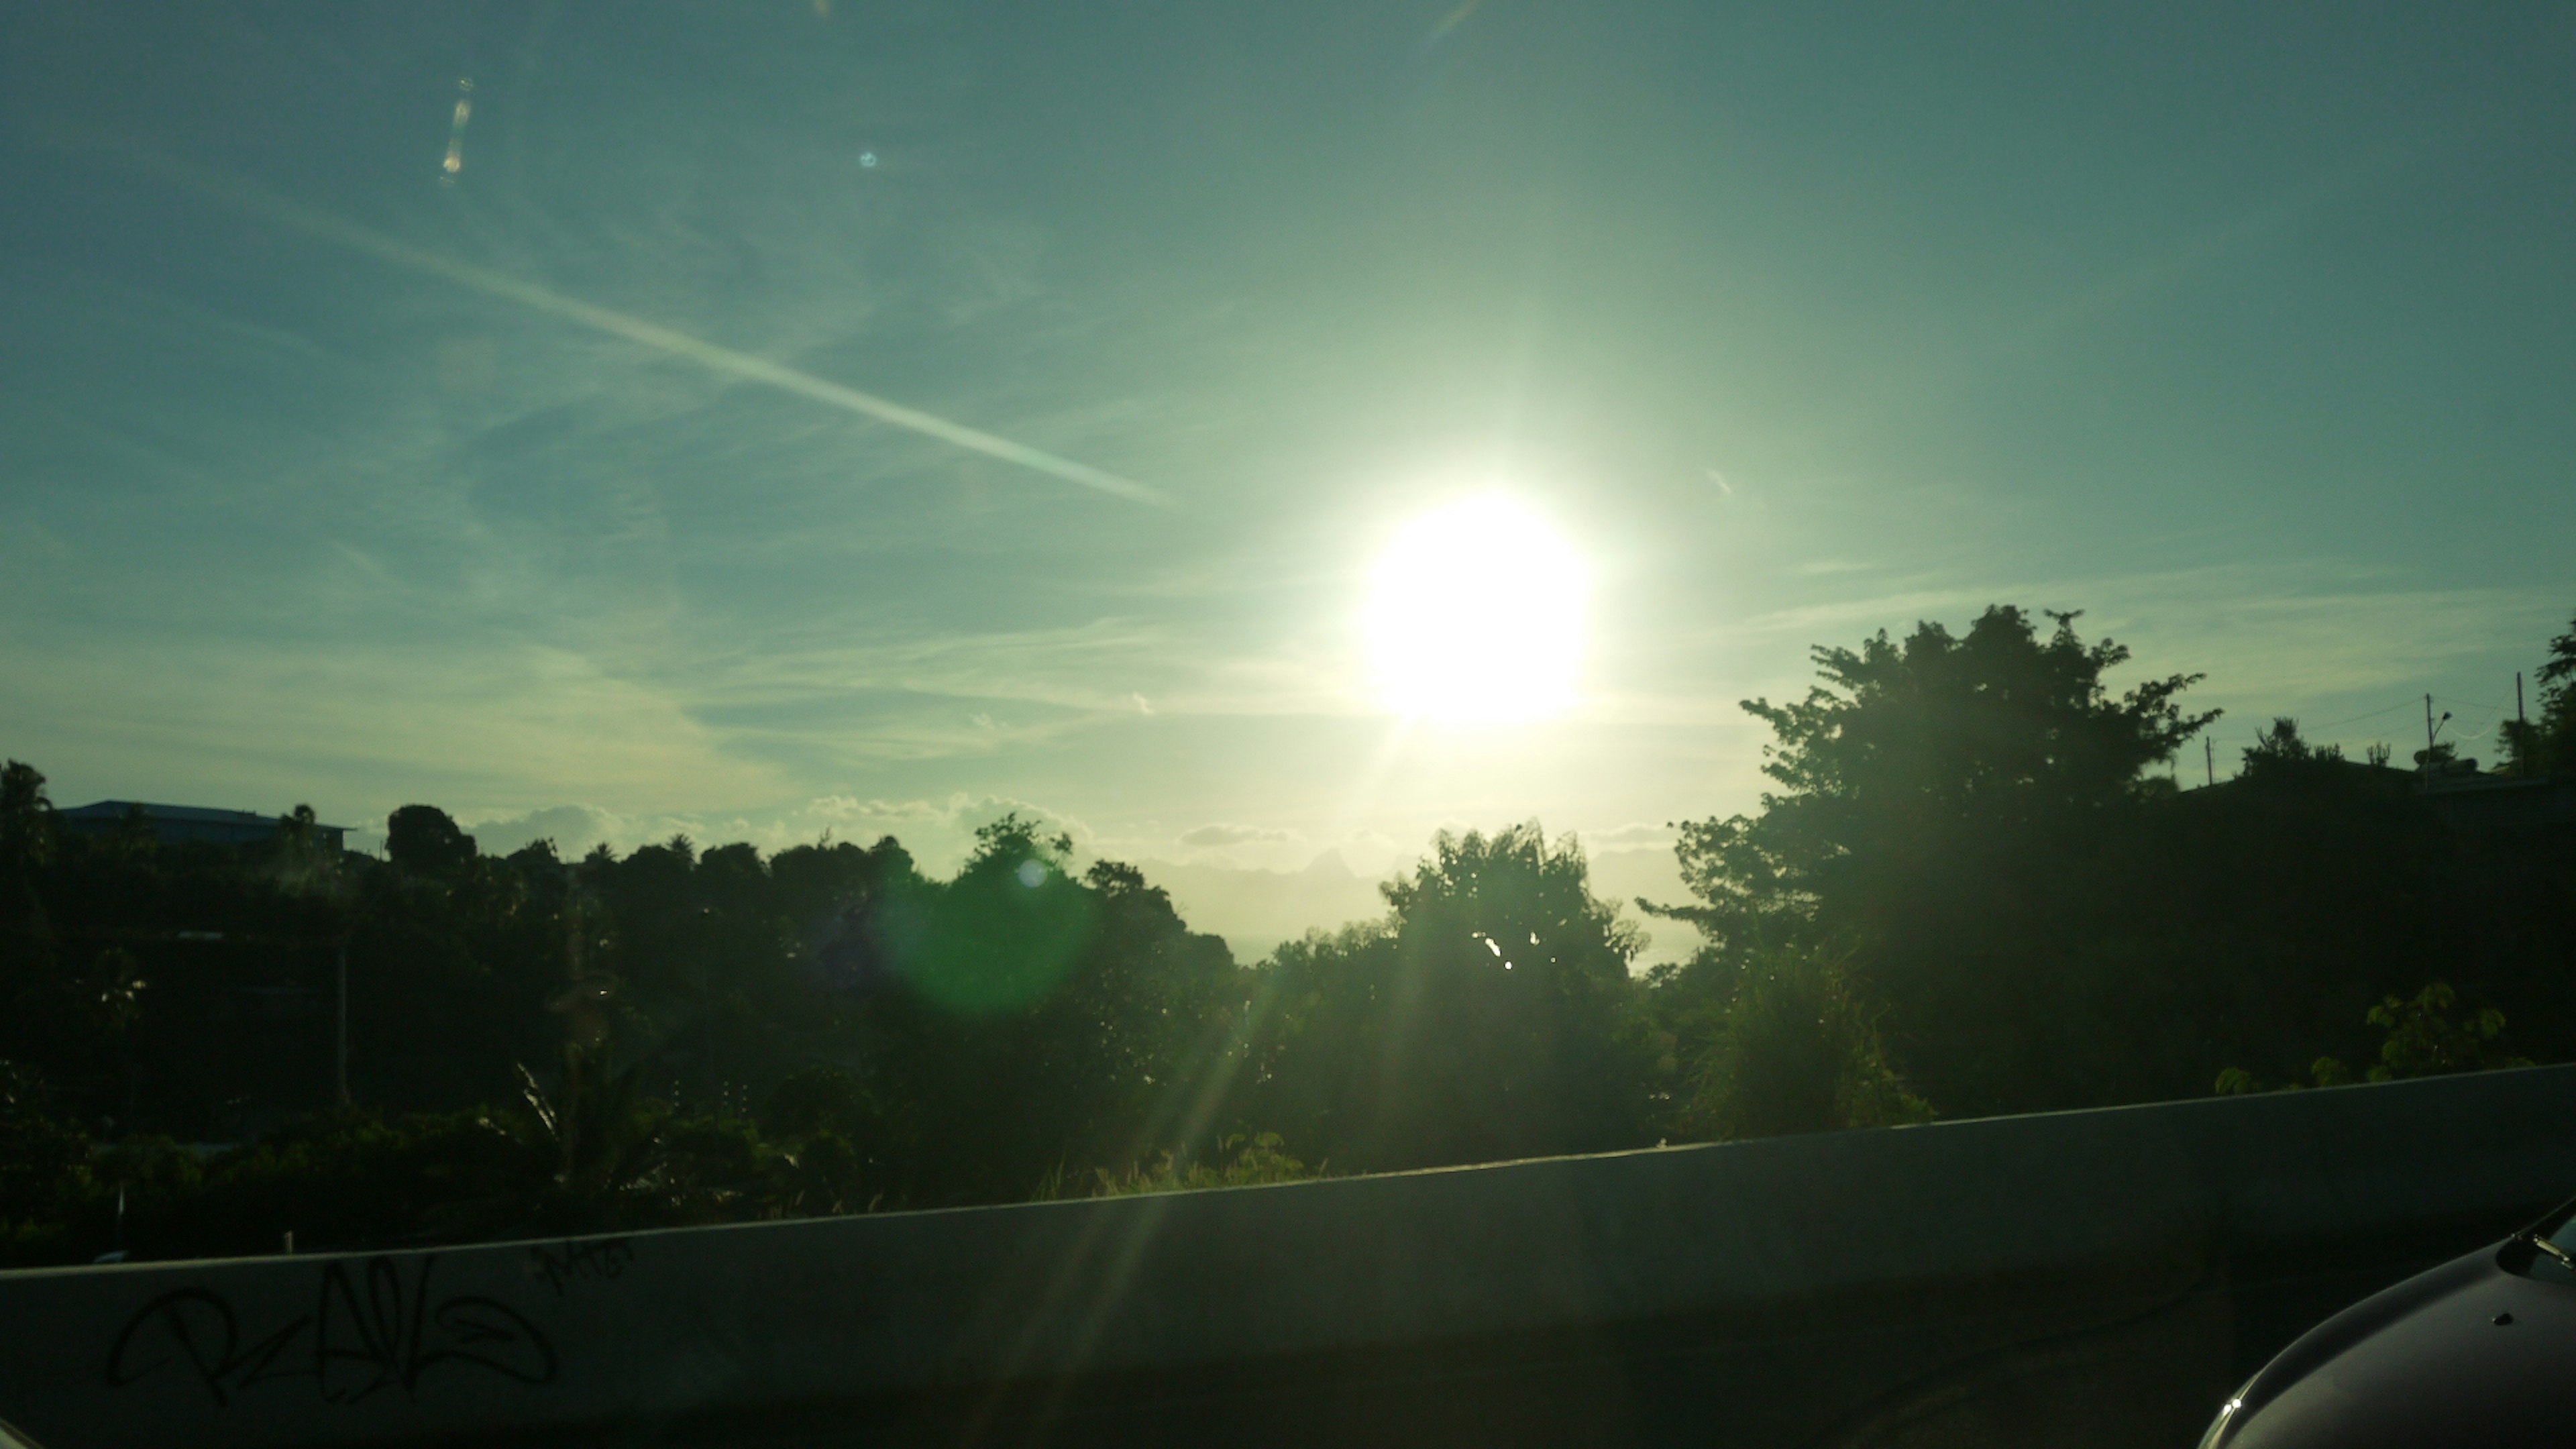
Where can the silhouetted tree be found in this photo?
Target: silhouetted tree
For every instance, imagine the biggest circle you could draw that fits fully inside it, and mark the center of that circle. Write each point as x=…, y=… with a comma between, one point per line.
x=30, y=973
x=1488, y=1017
x=2547, y=745
x=1938, y=799
x=1036, y=1025
x=1793, y=1046
x=26, y=818
x=424, y=840
x=2278, y=750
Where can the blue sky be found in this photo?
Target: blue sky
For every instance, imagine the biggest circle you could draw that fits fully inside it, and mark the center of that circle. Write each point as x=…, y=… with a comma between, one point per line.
x=535, y=490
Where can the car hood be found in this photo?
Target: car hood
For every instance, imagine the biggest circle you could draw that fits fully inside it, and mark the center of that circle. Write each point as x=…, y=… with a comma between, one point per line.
x=2468, y=1353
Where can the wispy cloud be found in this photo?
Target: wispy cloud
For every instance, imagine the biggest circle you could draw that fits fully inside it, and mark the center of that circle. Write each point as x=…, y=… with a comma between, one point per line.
x=1221, y=835
x=938, y=832
x=1638, y=835
x=2288, y=637
x=350, y=726
x=270, y=206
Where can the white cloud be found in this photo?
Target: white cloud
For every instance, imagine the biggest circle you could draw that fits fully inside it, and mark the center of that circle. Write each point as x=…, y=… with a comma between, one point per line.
x=1222, y=834
x=1255, y=910
x=940, y=833
x=359, y=732
x=1638, y=835
x=937, y=833
x=1370, y=853
x=1625, y=875
x=573, y=828
x=576, y=829
x=850, y=808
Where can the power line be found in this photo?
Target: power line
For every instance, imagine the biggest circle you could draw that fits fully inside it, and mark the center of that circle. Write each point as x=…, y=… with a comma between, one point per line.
x=2209, y=738
x=2356, y=719
x=2376, y=713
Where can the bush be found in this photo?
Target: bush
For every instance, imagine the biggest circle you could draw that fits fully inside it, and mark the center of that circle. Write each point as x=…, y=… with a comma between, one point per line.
x=1243, y=1160
x=43, y=1171
x=1796, y=1049
x=2422, y=1041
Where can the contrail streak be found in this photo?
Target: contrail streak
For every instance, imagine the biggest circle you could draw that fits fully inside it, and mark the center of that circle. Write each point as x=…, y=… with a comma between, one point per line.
x=490, y=283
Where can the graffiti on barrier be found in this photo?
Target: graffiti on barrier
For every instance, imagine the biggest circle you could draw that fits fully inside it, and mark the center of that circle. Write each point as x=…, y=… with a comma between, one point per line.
x=371, y=1328
x=565, y=1262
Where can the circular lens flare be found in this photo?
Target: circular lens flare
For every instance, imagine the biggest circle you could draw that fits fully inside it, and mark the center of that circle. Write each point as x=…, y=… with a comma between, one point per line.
x=1476, y=613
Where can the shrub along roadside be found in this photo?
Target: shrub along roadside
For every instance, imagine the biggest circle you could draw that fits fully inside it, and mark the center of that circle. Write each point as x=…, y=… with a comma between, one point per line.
x=359, y=1181
x=1794, y=1048
x=2422, y=1041
x=1243, y=1159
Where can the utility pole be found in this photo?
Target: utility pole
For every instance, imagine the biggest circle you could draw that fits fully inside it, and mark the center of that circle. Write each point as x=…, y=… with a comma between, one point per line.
x=2518, y=716
x=2431, y=728
x=2209, y=758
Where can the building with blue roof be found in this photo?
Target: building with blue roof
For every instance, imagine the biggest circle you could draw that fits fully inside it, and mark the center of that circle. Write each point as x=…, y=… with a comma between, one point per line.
x=189, y=824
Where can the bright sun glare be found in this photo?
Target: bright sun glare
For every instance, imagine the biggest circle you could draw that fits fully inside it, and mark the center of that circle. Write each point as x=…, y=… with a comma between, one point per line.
x=1476, y=613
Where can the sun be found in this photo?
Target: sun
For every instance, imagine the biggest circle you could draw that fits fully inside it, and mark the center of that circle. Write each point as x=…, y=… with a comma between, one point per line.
x=1476, y=614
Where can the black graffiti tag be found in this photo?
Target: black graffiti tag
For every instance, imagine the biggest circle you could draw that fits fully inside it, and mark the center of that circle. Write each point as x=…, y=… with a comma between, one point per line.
x=599, y=1258
x=366, y=1333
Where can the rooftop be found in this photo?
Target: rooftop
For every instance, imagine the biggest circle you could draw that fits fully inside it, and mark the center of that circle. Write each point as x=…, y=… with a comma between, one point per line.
x=190, y=814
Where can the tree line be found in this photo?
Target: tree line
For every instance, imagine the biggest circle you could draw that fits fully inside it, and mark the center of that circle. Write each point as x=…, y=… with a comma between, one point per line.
x=1969, y=890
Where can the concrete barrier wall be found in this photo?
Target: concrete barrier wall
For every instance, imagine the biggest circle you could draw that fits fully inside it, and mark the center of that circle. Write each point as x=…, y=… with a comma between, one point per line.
x=2071, y=1279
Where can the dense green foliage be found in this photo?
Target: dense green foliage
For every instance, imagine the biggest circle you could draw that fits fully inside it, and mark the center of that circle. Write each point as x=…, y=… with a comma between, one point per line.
x=1243, y=1159
x=1970, y=891
x=1793, y=1047
x=674, y=1035
x=2422, y=1041
x=1975, y=825
x=1950, y=815
x=1490, y=1016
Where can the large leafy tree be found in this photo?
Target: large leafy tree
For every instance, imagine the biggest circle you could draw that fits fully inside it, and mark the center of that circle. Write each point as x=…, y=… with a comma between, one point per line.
x=1023, y=1023
x=424, y=840
x=32, y=984
x=1487, y=1017
x=1793, y=1047
x=1940, y=798
x=26, y=818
